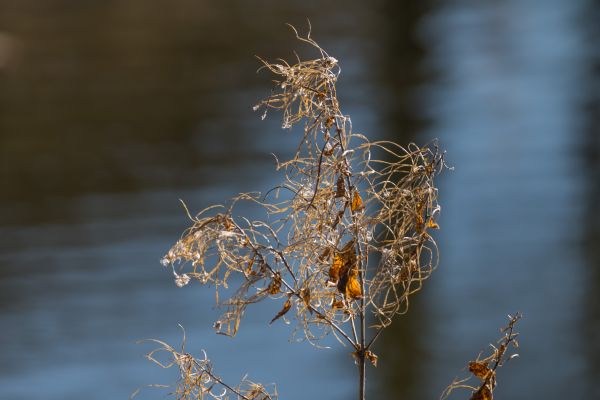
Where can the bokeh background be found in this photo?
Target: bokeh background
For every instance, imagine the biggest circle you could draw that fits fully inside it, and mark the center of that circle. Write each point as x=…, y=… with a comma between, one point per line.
x=110, y=111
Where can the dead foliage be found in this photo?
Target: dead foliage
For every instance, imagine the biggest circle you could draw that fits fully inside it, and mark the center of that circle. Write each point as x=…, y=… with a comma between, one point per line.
x=483, y=370
x=343, y=202
x=197, y=379
x=349, y=231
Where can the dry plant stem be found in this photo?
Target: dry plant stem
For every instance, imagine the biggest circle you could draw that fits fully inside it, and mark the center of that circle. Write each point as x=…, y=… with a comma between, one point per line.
x=343, y=200
x=219, y=381
x=362, y=364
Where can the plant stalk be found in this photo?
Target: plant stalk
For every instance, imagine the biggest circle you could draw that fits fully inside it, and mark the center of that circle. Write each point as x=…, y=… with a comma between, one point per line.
x=362, y=367
x=362, y=375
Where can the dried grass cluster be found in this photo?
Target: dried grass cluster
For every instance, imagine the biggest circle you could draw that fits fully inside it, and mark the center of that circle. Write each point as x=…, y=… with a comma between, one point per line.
x=346, y=234
x=347, y=231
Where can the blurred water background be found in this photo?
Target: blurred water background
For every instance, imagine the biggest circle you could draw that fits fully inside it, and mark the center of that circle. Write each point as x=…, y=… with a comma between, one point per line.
x=110, y=111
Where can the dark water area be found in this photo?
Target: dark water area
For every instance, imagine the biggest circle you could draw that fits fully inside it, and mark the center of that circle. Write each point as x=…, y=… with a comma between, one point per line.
x=111, y=111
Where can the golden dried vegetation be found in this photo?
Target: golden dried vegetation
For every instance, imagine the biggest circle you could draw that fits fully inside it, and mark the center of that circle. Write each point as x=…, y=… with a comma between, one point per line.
x=341, y=244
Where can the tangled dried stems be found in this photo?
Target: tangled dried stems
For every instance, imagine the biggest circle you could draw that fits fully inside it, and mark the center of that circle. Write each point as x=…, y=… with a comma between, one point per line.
x=348, y=231
x=484, y=370
x=197, y=380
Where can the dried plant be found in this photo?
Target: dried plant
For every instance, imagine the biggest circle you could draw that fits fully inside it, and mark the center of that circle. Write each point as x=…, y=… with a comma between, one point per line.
x=197, y=380
x=484, y=370
x=347, y=234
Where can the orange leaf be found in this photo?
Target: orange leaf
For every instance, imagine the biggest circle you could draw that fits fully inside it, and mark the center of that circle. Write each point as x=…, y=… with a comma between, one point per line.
x=480, y=369
x=343, y=272
x=334, y=270
x=353, y=289
x=357, y=202
x=432, y=224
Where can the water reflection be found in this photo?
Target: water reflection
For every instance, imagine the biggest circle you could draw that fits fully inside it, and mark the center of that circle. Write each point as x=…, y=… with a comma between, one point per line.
x=403, y=351
x=111, y=111
x=591, y=148
x=508, y=107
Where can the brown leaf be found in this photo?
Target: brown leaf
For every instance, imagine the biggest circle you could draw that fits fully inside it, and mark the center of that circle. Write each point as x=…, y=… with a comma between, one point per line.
x=275, y=284
x=484, y=393
x=372, y=357
x=341, y=188
x=286, y=307
x=420, y=224
x=305, y=295
x=357, y=202
x=338, y=218
x=480, y=369
x=337, y=305
x=328, y=149
x=329, y=122
x=325, y=255
x=420, y=221
x=353, y=289
x=369, y=355
x=250, y=264
x=343, y=272
x=335, y=269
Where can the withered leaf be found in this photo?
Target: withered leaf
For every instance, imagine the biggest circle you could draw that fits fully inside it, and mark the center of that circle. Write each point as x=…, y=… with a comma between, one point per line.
x=341, y=188
x=338, y=218
x=286, y=307
x=335, y=269
x=343, y=272
x=357, y=202
x=484, y=393
x=305, y=295
x=250, y=264
x=325, y=255
x=480, y=369
x=419, y=224
x=353, y=289
x=432, y=224
x=329, y=122
x=328, y=149
x=337, y=305
x=275, y=284
x=372, y=357
x=369, y=355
